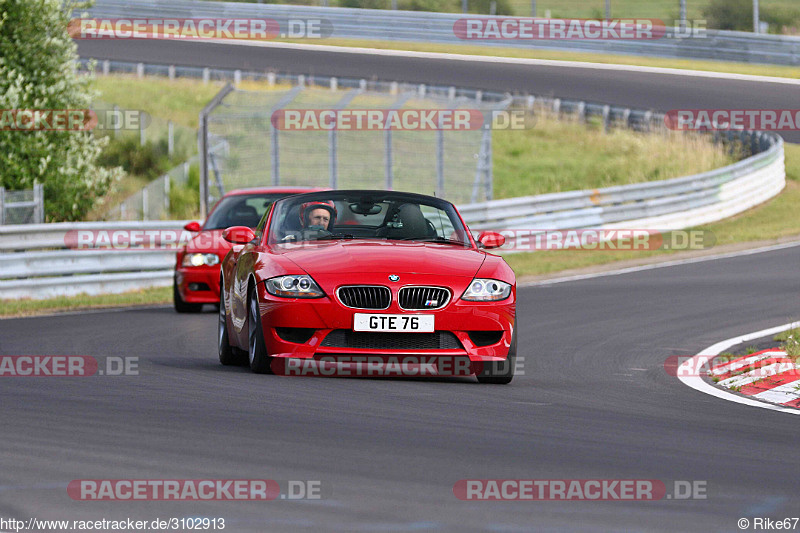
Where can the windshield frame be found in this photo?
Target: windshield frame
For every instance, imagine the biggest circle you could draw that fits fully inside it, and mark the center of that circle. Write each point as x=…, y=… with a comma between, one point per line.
x=269, y=236
x=232, y=197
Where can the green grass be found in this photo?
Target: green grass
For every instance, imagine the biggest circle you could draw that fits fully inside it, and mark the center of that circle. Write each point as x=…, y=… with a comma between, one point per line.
x=16, y=308
x=616, y=59
x=790, y=343
x=769, y=221
x=564, y=155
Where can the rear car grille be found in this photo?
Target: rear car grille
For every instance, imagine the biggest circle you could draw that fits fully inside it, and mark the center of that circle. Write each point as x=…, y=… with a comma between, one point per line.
x=423, y=297
x=438, y=340
x=365, y=296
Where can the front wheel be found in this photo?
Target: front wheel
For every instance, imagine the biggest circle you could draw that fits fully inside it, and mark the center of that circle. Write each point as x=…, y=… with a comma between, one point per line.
x=501, y=372
x=257, y=351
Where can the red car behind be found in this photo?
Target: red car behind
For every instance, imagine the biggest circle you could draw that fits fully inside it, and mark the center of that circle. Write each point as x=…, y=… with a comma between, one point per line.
x=197, y=264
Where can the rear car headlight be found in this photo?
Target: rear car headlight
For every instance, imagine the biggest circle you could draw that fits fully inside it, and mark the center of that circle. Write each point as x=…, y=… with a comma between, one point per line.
x=294, y=287
x=486, y=290
x=196, y=260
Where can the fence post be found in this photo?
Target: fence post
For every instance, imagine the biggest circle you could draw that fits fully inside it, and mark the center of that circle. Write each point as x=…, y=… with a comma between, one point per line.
x=440, y=163
x=142, y=135
x=170, y=137
x=116, y=120
x=166, y=194
x=275, y=156
x=38, y=198
x=333, y=158
x=389, y=172
x=202, y=141
x=2, y=205
x=206, y=75
x=140, y=70
x=145, y=207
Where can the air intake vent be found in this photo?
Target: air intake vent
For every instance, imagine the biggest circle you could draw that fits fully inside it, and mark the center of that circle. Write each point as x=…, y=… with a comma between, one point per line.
x=365, y=296
x=421, y=298
x=439, y=340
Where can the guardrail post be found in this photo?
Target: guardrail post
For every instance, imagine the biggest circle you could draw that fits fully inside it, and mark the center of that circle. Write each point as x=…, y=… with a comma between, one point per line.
x=582, y=111
x=606, y=117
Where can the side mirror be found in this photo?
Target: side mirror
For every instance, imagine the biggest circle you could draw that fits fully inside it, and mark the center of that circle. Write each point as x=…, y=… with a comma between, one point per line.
x=192, y=226
x=491, y=239
x=238, y=235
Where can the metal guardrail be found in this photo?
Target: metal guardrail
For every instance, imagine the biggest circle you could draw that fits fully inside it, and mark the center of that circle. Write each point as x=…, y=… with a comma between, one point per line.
x=663, y=205
x=372, y=24
x=37, y=262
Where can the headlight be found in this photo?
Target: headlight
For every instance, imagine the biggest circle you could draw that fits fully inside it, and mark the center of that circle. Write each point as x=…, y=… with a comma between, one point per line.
x=196, y=260
x=294, y=287
x=486, y=290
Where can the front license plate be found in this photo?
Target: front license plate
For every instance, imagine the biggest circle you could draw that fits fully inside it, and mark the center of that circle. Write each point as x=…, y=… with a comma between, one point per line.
x=396, y=323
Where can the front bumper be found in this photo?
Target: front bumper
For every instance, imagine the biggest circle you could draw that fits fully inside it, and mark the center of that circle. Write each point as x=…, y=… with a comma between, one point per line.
x=483, y=329
x=198, y=285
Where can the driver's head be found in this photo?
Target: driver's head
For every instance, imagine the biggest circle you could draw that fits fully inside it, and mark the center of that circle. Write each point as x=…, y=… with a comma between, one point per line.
x=318, y=214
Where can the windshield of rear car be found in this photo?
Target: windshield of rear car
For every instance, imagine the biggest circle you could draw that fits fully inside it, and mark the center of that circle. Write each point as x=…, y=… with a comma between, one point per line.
x=241, y=210
x=378, y=215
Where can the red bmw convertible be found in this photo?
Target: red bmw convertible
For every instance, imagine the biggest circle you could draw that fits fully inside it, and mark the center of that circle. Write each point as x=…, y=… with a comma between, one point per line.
x=333, y=275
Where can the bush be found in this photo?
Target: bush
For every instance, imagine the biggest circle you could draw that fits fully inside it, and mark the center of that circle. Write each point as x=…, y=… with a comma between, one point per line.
x=37, y=72
x=149, y=161
x=184, y=200
x=738, y=15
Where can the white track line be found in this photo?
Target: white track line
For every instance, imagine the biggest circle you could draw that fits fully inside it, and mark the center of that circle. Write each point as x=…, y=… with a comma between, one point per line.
x=506, y=60
x=697, y=383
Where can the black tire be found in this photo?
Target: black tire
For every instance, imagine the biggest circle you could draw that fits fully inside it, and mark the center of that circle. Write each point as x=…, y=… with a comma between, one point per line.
x=257, y=351
x=180, y=305
x=502, y=372
x=227, y=354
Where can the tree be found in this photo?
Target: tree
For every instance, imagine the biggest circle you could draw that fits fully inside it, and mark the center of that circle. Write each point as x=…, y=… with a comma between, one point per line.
x=37, y=72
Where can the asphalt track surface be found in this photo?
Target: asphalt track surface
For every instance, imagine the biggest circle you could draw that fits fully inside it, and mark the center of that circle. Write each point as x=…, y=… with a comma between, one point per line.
x=660, y=92
x=594, y=403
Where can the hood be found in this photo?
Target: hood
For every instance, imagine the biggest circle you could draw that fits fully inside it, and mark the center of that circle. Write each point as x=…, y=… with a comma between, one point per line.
x=390, y=257
x=209, y=241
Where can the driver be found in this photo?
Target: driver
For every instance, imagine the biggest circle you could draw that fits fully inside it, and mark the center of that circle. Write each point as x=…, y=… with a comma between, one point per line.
x=319, y=216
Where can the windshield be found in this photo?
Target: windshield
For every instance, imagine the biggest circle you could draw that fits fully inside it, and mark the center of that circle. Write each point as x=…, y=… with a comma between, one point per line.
x=379, y=215
x=241, y=210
